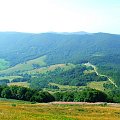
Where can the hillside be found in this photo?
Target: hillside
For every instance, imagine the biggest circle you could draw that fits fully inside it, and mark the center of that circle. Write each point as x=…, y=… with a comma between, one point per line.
x=56, y=77
x=19, y=47
x=19, y=51
x=26, y=66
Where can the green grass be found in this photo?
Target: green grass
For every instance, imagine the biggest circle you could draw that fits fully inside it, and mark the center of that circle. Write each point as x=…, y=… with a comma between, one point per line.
x=97, y=85
x=26, y=66
x=65, y=67
x=3, y=64
x=63, y=88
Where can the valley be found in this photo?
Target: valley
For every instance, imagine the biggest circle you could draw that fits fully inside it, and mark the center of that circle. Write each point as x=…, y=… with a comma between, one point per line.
x=59, y=76
x=59, y=61
x=18, y=78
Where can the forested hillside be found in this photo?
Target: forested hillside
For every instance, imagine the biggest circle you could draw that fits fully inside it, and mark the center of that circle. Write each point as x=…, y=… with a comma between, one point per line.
x=100, y=49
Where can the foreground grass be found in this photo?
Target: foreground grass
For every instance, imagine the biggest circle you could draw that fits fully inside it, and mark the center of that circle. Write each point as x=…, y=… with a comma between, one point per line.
x=16, y=110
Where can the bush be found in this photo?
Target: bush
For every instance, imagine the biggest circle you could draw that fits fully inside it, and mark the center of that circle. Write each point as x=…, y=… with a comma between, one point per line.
x=13, y=105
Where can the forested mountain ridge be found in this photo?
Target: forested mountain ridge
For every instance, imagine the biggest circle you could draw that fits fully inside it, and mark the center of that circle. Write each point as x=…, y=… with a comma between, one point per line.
x=27, y=46
x=100, y=49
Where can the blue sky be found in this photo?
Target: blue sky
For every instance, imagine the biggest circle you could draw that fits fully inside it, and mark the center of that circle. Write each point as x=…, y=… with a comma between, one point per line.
x=60, y=15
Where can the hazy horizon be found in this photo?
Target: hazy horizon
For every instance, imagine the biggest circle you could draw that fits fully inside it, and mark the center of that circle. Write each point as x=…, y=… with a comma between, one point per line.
x=40, y=16
x=76, y=32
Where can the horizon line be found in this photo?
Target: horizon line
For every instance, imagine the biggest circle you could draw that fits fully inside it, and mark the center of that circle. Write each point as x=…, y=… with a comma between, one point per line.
x=63, y=32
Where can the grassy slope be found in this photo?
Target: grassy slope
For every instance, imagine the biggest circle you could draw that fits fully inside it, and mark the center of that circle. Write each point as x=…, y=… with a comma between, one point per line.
x=97, y=85
x=16, y=110
x=52, y=68
x=63, y=88
x=26, y=66
x=3, y=64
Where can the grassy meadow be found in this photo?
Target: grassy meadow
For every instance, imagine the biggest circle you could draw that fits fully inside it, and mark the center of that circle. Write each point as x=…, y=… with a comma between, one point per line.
x=19, y=110
x=97, y=85
x=26, y=65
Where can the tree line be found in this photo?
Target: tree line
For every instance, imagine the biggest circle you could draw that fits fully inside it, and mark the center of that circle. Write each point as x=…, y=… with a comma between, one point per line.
x=26, y=94
x=84, y=95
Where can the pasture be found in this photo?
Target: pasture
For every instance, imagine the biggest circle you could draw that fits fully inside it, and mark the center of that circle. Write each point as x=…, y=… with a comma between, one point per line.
x=19, y=110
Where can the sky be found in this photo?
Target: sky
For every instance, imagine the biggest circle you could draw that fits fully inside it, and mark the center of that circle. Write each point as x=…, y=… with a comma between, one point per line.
x=36, y=16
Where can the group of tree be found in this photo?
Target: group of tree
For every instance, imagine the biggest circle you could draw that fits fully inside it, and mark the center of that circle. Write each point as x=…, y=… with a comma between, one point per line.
x=23, y=78
x=85, y=95
x=115, y=95
x=89, y=95
x=4, y=81
x=26, y=94
x=73, y=77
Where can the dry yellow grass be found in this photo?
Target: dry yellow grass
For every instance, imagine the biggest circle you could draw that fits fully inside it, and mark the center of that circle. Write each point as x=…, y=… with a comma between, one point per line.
x=27, y=111
x=23, y=84
x=52, y=68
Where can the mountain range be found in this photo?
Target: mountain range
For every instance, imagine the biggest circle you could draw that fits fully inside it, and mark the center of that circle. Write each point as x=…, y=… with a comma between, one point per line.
x=100, y=49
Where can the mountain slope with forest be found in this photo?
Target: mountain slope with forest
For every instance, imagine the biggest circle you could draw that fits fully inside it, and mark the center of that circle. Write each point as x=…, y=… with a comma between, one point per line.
x=100, y=49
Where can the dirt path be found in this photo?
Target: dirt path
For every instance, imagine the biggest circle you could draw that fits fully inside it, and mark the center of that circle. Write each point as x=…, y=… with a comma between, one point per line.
x=87, y=103
x=95, y=69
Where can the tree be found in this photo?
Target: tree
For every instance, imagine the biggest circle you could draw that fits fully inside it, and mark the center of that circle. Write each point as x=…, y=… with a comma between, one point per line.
x=6, y=93
x=42, y=97
x=91, y=95
x=21, y=93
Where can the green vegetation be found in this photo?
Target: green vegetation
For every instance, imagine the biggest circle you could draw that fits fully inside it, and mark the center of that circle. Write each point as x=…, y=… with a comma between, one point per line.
x=42, y=70
x=100, y=49
x=26, y=66
x=78, y=75
x=26, y=94
x=10, y=77
x=59, y=77
x=56, y=62
x=85, y=95
x=98, y=85
x=3, y=64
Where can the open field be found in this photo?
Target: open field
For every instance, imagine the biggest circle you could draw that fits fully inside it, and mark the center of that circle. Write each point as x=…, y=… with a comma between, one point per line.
x=23, y=84
x=52, y=68
x=19, y=110
x=26, y=66
x=97, y=85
